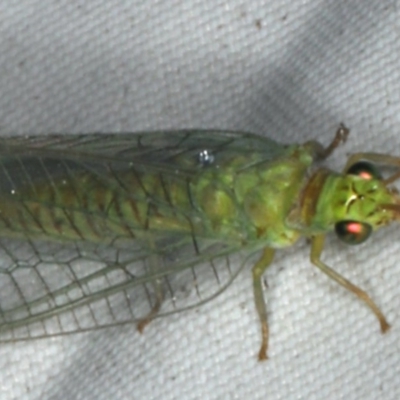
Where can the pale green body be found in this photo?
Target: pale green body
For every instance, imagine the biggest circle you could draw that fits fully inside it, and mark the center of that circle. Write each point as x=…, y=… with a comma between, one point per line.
x=214, y=193
x=236, y=202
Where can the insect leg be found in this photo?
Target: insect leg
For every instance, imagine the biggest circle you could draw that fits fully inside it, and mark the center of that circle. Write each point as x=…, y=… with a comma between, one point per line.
x=320, y=152
x=158, y=293
x=258, y=270
x=317, y=245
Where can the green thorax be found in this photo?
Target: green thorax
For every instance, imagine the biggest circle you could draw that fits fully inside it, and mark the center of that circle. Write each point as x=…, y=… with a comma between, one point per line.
x=252, y=204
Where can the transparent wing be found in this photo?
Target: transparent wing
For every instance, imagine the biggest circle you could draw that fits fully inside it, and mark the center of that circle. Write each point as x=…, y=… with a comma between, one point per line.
x=163, y=148
x=48, y=289
x=51, y=285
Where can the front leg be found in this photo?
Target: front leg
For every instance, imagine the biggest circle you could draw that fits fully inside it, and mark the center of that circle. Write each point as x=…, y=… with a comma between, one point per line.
x=258, y=270
x=317, y=245
x=320, y=152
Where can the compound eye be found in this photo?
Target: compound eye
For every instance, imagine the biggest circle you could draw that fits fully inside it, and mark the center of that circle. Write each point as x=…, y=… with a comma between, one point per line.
x=353, y=232
x=365, y=170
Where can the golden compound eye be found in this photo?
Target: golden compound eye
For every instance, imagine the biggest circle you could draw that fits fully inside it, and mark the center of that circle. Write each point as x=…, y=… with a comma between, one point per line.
x=353, y=232
x=365, y=170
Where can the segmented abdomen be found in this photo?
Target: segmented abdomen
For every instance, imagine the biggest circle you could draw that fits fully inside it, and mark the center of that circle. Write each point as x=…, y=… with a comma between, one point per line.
x=61, y=199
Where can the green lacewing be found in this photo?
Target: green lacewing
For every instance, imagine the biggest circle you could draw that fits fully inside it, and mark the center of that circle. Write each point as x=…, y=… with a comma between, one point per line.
x=104, y=229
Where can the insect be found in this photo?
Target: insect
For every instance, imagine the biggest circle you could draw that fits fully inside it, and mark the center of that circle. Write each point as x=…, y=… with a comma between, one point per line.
x=99, y=230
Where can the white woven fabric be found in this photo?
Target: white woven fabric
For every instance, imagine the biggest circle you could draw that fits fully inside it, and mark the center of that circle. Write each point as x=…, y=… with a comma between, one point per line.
x=289, y=70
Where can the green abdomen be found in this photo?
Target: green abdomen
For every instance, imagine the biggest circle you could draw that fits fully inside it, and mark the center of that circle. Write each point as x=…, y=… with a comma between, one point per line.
x=69, y=200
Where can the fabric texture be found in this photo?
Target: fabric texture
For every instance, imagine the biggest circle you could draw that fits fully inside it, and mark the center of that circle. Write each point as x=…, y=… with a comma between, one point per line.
x=288, y=70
